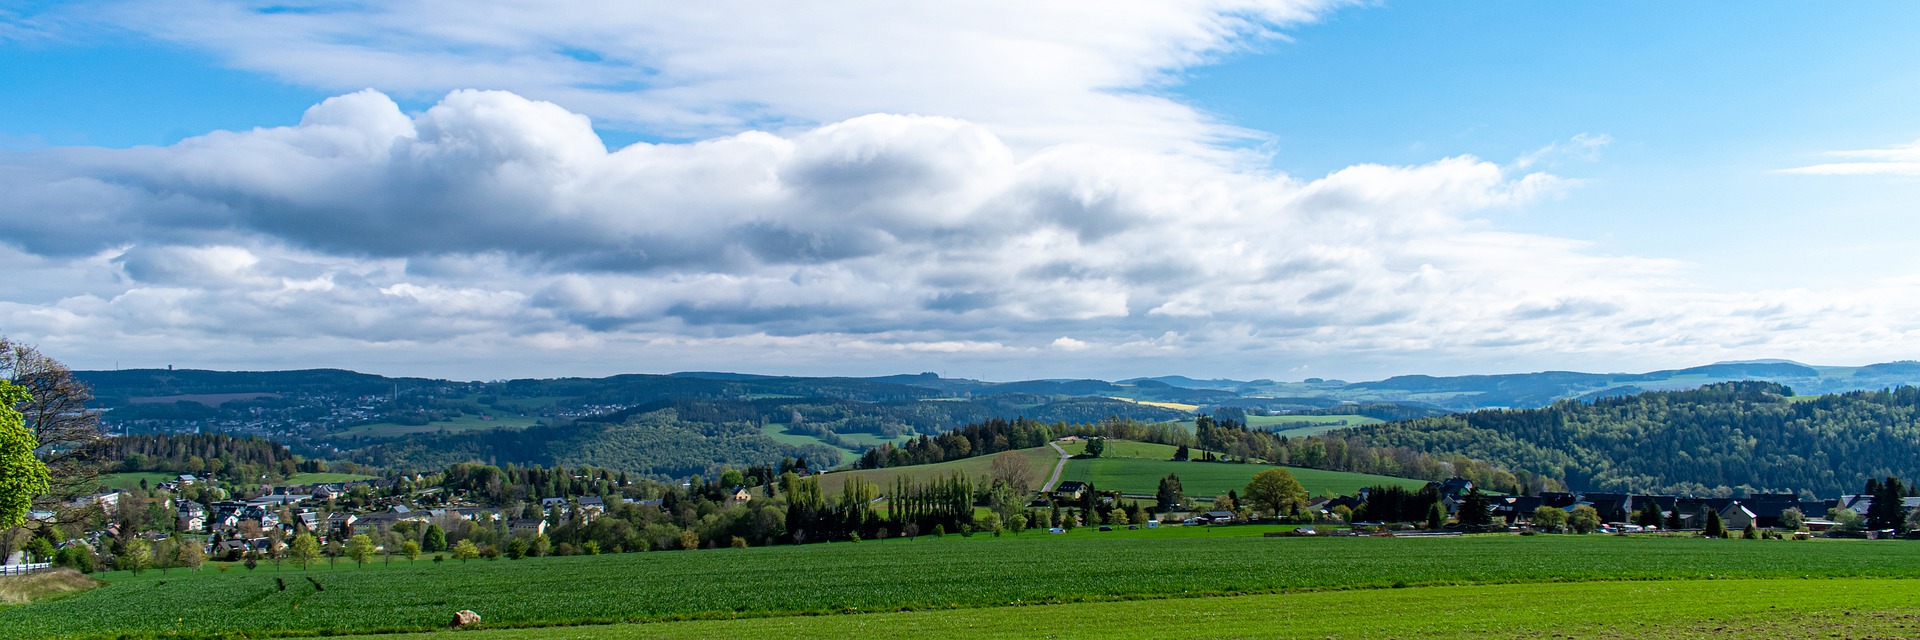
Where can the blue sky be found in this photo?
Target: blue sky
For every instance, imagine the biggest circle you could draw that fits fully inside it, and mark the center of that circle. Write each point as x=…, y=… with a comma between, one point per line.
x=1249, y=188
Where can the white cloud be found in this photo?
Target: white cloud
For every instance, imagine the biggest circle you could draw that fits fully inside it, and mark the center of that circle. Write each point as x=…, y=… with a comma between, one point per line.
x=866, y=189
x=1898, y=160
x=1034, y=72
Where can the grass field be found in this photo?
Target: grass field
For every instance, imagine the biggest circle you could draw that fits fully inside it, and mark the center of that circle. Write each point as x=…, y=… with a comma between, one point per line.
x=1859, y=608
x=132, y=480
x=1204, y=480
x=1039, y=459
x=325, y=478
x=1308, y=425
x=923, y=575
x=848, y=455
x=462, y=423
x=1137, y=467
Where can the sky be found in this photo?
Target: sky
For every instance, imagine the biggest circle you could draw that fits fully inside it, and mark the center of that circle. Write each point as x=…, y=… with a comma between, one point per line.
x=1218, y=188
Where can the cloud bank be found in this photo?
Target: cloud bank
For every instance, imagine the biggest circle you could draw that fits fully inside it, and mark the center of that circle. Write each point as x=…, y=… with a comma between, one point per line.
x=985, y=191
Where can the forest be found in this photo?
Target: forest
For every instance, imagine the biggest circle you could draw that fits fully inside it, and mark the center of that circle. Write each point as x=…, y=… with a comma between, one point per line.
x=1731, y=438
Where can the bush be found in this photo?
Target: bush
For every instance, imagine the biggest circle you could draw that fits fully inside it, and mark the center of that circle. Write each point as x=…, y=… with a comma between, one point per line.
x=939, y=531
x=741, y=543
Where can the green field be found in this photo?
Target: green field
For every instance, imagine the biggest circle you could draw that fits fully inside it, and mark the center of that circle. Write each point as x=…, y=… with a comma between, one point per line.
x=132, y=480
x=1308, y=425
x=462, y=423
x=325, y=478
x=930, y=574
x=1775, y=609
x=1204, y=480
x=1137, y=467
x=1039, y=459
x=848, y=455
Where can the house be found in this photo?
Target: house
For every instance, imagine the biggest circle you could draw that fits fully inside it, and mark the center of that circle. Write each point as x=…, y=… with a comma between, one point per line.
x=107, y=501
x=738, y=496
x=1737, y=517
x=529, y=526
x=1516, y=509
x=1215, y=517
x=1070, y=490
x=341, y=522
x=550, y=503
x=192, y=523
x=593, y=505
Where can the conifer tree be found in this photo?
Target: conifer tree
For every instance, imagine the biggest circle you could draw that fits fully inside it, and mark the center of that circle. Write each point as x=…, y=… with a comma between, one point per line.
x=1715, y=527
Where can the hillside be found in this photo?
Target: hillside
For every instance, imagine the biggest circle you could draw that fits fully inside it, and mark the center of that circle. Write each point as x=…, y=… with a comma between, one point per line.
x=1743, y=436
x=1137, y=467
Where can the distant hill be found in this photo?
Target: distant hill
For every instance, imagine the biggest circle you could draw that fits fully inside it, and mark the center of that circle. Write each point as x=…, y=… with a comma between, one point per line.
x=1725, y=437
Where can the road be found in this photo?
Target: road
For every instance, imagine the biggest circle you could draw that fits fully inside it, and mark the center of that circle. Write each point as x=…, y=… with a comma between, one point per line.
x=1048, y=488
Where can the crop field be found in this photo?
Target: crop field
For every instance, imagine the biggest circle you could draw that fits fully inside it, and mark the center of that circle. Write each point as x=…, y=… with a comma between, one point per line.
x=462, y=423
x=1783, y=609
x=1178, y=406
x=1039, y=459
x=1204, y=480
x=922, y=575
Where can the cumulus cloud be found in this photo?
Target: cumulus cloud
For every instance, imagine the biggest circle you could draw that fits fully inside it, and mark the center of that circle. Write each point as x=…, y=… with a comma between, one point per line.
x=1898, y=160
x=493, y=214
x=926, y=185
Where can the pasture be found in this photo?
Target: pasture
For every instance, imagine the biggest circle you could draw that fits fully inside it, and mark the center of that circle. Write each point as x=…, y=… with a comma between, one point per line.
x=1204, y=480
x=325, y=478
x=1039, y=460
x=895, y=575
x=131, y=480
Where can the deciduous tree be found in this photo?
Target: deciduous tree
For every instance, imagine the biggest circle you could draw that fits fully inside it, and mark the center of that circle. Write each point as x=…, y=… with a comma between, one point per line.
x=304, y=550
x=360, y=548
x=23, y=477
x=1275, y=491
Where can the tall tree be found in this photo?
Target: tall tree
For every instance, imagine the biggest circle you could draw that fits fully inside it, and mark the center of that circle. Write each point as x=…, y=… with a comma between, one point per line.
x=360, y=548
x=64, y=428
x=23, y=476
x=1888, y=510
x=304, y=550
x=435, y=539
x=1476, y=511
x=1170, y=495
x=1274, y=490
x=1716, y=528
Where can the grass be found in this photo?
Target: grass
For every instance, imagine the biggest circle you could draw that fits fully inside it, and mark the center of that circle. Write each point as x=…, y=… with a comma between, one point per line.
x=927, y=574
x=462, y=423
x=1714, y=609
x=779, y=433
x=1204, y=480
x=132, y=480
x=1040, y=460
x=43, y=585
x=1308, y=425
x=325, y=478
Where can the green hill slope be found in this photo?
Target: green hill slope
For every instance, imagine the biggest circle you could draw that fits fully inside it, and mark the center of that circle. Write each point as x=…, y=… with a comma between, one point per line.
x=1738, y=436
x=1137, y=467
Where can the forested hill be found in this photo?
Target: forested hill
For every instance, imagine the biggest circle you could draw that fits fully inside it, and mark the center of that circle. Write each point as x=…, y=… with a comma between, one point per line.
x=1734, y=436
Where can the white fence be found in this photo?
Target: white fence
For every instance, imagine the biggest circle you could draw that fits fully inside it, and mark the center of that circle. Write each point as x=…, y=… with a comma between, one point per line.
x=18, y=569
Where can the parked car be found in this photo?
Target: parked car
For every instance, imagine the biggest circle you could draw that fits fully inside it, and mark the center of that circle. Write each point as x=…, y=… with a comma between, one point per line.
x=1105, y=528
x=1056, y=530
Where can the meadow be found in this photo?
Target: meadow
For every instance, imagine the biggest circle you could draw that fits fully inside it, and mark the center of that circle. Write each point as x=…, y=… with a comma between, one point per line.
x=1039, y=460
x=131, y=480
x=1137, y=467
x=895, y=575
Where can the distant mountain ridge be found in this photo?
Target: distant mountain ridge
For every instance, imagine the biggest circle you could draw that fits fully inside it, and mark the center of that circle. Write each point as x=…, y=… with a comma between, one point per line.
x=1455, y=393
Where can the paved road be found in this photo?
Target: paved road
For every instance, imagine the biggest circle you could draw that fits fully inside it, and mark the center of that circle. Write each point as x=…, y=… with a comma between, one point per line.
x=1048, y=488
